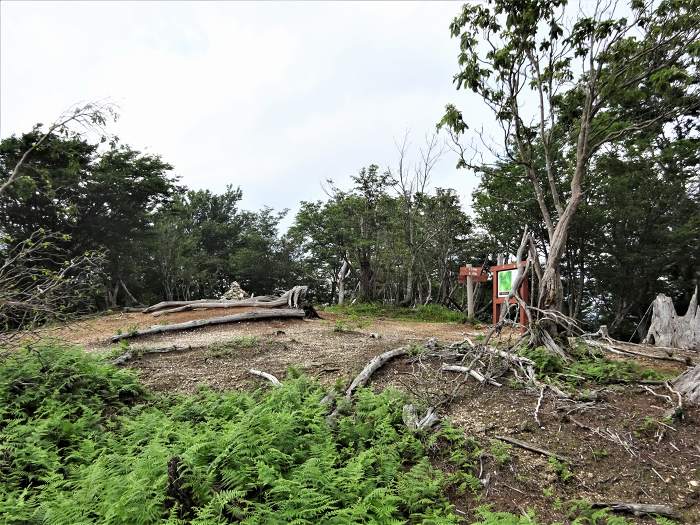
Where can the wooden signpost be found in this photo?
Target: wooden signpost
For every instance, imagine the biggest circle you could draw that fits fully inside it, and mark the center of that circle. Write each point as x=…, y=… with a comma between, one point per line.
x=503, y=276
x=471, y=274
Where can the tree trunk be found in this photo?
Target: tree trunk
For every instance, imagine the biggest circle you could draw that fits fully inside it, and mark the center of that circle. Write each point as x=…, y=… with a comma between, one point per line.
x=342, y=274
x=365, y=279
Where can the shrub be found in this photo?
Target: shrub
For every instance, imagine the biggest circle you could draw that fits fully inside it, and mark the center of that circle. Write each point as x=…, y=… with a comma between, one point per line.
x=83, y=443
x=427, y=313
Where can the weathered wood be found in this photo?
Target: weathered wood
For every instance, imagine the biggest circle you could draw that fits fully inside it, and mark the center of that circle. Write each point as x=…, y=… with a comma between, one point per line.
x=131, y=354
x=272, y=379
x=670, y=329
x=415, y=423
x=257, y=302
x=688, y=384
x=198, y=323
x=362, y=378
x=618, y=348
x=466, y=370
x=637, y=508
x=533, y=448
x=291, y=298
x=374, y=364
x=169, y=304
x=132, y=309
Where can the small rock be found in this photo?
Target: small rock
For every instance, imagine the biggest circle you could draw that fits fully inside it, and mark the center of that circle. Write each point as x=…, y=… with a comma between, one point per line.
x=374, y=335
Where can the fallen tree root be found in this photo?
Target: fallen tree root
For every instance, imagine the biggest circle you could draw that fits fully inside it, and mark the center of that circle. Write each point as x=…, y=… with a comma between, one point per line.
x=131, y=354
x=533, y=448
x=637, y=508
x=198, y=323
x=272, y=379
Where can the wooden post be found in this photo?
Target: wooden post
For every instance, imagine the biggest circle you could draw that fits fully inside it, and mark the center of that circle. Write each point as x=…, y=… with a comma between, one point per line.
x=470, y=293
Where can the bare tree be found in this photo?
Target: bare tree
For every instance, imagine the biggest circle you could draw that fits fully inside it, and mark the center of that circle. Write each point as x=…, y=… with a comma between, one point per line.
x=410, y=180
x=40, y=284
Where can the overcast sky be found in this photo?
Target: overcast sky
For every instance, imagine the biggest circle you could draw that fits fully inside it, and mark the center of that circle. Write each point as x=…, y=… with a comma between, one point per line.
x=272, y=97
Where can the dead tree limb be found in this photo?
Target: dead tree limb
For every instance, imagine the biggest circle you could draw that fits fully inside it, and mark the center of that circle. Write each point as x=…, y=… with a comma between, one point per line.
x=272, y=379
x=533, y=448
x=198, y=323
x=374, y=364
x=416, y=424
x=363, y=377
x=637, y=508
x=601, y=339
x=466, y=370
x=131, y=354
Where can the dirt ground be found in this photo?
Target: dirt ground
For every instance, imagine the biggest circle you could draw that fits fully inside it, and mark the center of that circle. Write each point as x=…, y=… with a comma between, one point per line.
x=618, y=443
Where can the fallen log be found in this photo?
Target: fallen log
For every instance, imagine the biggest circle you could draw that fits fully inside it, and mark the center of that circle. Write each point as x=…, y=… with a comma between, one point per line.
x=272, y=379
x=637, y=508
x=607, y=343
x=198, y=323
x=533, y=448
x=291, y=298
x=131, y=354
x=254, y=302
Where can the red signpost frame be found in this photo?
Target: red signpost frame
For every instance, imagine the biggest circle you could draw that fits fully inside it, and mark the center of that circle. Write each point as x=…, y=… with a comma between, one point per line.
x=498, y=301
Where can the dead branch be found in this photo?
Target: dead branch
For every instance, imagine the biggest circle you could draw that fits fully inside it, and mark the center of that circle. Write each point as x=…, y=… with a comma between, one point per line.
x=416, y=424
x=272, y=379
x=539, y=404
x=533, y=448
x=198, y=323
x=637, y=508
x=374, y=364
x=466, y=370
x=131, y=354
x=363, y=378
x=601, y=339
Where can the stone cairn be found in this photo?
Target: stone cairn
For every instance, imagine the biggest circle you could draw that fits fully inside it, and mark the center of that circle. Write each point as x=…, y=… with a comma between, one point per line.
x=234, y=293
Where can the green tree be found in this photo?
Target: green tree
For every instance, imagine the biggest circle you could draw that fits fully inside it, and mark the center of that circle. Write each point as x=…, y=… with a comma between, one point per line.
x=515, y=52
x=101, y=200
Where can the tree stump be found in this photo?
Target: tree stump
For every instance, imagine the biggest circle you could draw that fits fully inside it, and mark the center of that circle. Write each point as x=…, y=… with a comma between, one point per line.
x=672, y=330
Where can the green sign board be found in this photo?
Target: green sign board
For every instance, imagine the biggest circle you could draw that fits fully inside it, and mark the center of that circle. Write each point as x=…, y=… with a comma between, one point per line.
x=505, y=282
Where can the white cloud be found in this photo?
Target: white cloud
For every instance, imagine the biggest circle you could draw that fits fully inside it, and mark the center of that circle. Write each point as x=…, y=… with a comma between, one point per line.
x=274, y=97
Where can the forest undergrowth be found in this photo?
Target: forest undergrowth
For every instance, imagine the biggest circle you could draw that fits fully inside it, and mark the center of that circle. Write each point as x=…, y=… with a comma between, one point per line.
x=82, y=441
